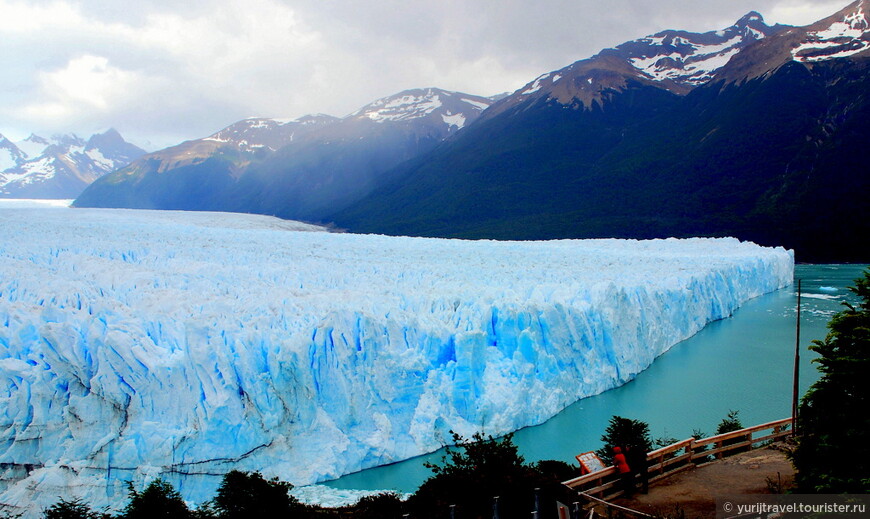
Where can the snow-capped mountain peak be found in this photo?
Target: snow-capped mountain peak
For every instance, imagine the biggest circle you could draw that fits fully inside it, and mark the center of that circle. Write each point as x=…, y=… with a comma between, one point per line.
x=677, y=61
x=33, y=146
x=452, y=108
x=843, y=35
x=62, y=166
x=315, y=120
x=691, y=59
x=258, y=132
x=409, y=104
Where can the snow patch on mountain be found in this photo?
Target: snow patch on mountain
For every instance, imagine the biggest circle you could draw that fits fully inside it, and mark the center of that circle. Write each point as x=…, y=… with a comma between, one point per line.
x=247, y=136
x=455, y=120
x=480, y=105
x=536, y=85
x=451, y=108
x=841, y=39
x=28, y=173
x=403, y=107
x=688, y=60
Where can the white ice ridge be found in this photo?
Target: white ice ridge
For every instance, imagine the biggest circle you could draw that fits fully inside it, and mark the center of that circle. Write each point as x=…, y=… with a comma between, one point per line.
x=138, y=344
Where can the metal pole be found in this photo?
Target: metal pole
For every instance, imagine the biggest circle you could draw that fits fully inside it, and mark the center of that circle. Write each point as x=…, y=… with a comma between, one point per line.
x=495, y=507
x=797, y=364
x=452, y=511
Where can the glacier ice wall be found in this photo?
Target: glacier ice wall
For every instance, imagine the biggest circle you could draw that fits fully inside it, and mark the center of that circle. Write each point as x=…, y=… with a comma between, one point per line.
x=137, y=344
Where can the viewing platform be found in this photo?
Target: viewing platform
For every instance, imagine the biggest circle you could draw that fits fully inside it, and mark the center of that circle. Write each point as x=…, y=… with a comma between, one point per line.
x=691, y=473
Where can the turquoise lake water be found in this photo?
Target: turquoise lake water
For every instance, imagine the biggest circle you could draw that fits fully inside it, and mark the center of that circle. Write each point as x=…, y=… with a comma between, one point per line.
x=743, y=363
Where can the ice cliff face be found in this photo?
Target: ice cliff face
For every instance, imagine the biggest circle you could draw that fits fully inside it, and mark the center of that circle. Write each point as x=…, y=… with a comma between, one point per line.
x=136, y=344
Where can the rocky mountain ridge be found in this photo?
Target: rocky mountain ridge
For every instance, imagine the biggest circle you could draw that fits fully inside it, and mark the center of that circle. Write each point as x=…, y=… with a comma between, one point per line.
x=61, y=166
x=766, y=150
x=297, y=169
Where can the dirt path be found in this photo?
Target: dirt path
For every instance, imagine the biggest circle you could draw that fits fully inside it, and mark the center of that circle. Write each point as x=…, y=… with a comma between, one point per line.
x=691, y=494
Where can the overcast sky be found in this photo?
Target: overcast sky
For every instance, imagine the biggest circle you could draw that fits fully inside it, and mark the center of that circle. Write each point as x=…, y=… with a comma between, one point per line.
x=164, y=71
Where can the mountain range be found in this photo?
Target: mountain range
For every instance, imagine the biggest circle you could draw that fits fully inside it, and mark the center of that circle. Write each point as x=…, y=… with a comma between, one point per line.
x=753, y=131
x=651, y=140
x=61, y=166
x=301, y=169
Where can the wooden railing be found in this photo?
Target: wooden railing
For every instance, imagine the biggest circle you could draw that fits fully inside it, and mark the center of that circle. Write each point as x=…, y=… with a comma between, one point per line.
x=682, y=455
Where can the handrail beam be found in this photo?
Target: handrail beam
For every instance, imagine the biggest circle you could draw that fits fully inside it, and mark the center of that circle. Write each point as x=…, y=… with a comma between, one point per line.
x=606, y=479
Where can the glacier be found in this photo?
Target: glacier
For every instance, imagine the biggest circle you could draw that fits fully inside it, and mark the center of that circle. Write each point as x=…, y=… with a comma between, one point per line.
x=143, y=344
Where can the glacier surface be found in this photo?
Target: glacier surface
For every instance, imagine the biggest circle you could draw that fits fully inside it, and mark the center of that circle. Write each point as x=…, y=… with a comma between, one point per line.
x=142, y=344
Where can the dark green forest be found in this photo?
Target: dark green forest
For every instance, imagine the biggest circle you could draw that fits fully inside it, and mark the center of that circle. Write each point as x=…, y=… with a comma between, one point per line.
x=777, y=160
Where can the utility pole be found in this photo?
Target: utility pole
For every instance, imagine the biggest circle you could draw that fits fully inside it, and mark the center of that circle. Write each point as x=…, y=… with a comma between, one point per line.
x=797, y=363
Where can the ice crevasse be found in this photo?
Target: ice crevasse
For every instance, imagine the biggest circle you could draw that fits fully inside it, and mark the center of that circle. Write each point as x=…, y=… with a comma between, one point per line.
x=142, y=344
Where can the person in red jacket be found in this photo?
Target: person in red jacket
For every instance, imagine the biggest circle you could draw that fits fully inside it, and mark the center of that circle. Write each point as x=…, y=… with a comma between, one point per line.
x=625, y=474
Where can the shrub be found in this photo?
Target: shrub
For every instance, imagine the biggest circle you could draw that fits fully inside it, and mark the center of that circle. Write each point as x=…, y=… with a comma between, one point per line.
x=833, y=451
x=472, y=475
x=242, y=495
x=74, y=509
x=730, y=423
x=624, y=432
x=698, y=434
x=158, y=500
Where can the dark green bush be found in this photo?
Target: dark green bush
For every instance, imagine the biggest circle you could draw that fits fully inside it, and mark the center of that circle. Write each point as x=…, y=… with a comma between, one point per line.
x=624, y=432
x=158, y=500
x=74, y=509
x=477, y=471
x=242, y=495
x=833, y=452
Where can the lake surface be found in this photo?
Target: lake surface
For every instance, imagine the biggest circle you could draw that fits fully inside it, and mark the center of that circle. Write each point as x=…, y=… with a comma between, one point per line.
x=742, y=363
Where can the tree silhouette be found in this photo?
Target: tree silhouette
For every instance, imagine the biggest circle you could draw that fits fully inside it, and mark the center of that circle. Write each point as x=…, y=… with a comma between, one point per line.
x=833, y=453
x=158, y=500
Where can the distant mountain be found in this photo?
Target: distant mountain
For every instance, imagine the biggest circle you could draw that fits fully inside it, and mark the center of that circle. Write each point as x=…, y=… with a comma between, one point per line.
x=752, y=131
x=195, y=175
x=60, y=167
x=299, y=169
x=341, y=164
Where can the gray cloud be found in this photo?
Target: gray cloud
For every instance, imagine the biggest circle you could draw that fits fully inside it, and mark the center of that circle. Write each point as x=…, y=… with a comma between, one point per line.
x=164, y=71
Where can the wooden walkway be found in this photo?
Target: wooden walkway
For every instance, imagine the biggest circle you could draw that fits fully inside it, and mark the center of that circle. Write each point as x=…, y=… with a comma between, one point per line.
x=692, y=493
x=688, y=475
